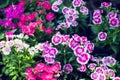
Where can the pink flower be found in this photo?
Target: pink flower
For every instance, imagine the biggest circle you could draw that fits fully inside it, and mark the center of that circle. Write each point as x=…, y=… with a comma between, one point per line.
x=90, y=47
x=49, y=60
x=49, y=30
x=56, y=67
x=29, y=71
x=79, y=50
x=52, y=52
x=46, y=76
x=83, y=59
x=50, y=16
x=73, y=44
x=55, y=8
x=65, y=39
x=106, y=4
x=102, y=36
x=40, y=3
x=92, y=66
x=102, y=77
x=65, y=10
x=97, y=20
x=97, y=13
x=94, y=76
x=114, y=22
x=84, y=10
x=47, y=5
x=99, y=70
x=111, y=15
x=83, y=68
x=68, y=68
x=111, y=73
x=57, y=39
x=83, y=39
x=39, y=68
x=76, y=3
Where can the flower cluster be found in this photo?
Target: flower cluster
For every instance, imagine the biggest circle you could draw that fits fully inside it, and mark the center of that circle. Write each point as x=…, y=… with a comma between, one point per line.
x=31, y=26
x=80, y=46
x=7, y=46
x=70, y=14
x=43, y=72
x=102, y=70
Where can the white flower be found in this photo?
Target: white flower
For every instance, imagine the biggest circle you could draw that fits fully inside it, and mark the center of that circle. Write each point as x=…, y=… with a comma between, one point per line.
x=26, y=36
x=26, y=45
x=9, y=43
x=6, y=50
x=21, y=35
x=2, y=44
x=32, y=50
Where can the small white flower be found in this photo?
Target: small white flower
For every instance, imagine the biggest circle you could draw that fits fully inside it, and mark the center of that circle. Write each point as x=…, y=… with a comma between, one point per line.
x=21, y=35
x=26, y=36
x=6, y=50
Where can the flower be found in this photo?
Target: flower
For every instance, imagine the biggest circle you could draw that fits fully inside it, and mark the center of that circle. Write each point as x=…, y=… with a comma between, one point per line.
x=92, y=66
x=6, y=50
x=79, y=50
x=72, y=44
x=83, y=68
x=49, y=30
x=67, y=68
x=114, y=22
x=116, y=78
x=84, y=58
x=84, y=10
x=49, y=60
x=76, y=3
x=102, y=36
x=97, y=20
x=55, y=8
x=57, y=39
x=111, y=15
x=50, y=16
x=94, y=76
x=106, y=4
x=47, y=5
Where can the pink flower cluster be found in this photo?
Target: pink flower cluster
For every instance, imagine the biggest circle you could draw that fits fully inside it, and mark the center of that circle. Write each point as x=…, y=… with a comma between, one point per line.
x=43, y=72
x=45, y=4
x=97, y=18
x=80, y=45
x=48, y=52
x=56, y=4
x=26, y=24
x=70, y=15
x=103, y=73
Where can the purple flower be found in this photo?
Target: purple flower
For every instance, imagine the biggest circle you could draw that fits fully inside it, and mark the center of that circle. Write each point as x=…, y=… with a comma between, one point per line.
x=102, y=36
x=106, y=4
x=76, y=3
x=73, y=44
x=65, y=39
x=116, y=78
x=92, y=66
x=74, y=23
x=111, y=73
x=7, y=22
x=90, y=47
x=57, y=39
x=114, y=22
x=1, y=22
x=52, y=52
x=83, y=59
x=102, y=77
x=109, y=61
x=94, y=76
x=79, y=50
x=111, y=15
x=68, y=68
x=76, y=37
x=49, y=60
x=97, y=20
x=55, y=8
x=65, y=10
x=84, y=10
x=83, y=68
x=97, y=13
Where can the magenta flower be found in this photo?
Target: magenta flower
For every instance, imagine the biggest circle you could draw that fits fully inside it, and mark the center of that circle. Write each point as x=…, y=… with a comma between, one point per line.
x=74, y=23
x=65, y=10
x=55, y=8
x=106, y=4
x=111, y=15
x=102, y=77
x=97, y=13
x=52, y=52
x=90, y=47
x=76, y=37
x=47, y=5
x=39, y=68
x=97, y=20
x=50, y=16
x=111, y=73
x=57, y=39
x=73, y=44
x=68, y=68
x=92, y=66
x=76, y=3
x=94, y=76
x=84, y=10
x=65, y=39
x=83, y=68
x=114, y=22
x=49, y=60
x=83, y=59
x=102, y=36
x=79, y=50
